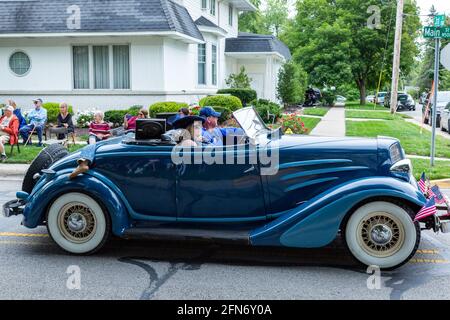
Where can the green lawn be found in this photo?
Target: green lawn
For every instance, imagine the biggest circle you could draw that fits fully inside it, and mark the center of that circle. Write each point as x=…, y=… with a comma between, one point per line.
x=367, y=106
x=385, y=115
x=412, y=140
x=28, y=153
x=310, y=123
x=319, y=111
x=441, y=169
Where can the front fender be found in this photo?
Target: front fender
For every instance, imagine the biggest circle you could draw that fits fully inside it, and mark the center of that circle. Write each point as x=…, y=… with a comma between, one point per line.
x=316, y=223
x=38, y=202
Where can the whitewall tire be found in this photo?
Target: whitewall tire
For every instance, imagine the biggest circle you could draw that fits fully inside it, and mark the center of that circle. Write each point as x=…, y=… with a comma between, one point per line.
x=383, y=234
x=77, y=223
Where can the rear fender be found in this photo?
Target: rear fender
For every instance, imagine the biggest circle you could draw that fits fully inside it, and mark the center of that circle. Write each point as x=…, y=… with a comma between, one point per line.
x=37, y=203
x=316, y=223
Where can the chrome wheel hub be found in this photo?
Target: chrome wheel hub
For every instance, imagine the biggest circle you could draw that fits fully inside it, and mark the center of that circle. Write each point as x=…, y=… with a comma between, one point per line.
x=77, y=222
x=381, y=234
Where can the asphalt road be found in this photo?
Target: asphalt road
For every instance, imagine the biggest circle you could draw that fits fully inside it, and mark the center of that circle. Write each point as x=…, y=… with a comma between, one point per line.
x=32, y=267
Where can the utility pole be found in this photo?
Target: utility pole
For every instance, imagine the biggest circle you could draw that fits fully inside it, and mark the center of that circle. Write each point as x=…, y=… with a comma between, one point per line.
x=397, y=49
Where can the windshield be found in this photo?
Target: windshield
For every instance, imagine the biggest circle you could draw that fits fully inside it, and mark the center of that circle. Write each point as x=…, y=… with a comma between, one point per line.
x=443, y=96
x=250, y=122
x=381, y=94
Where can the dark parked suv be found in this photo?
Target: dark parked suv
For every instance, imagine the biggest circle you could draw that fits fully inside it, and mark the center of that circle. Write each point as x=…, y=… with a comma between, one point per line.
x=405, y=102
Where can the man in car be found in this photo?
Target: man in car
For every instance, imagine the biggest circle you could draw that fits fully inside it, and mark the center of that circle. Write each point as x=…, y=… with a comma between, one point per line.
x=212, y=134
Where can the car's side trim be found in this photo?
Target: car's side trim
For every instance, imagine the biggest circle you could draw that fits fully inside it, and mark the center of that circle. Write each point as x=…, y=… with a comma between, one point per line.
x=321, y=171
x=312, y=163
x=309, y=183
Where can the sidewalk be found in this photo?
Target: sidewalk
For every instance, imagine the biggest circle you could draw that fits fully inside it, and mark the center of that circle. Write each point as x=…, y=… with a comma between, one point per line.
x=7, y=169
x=332, y=124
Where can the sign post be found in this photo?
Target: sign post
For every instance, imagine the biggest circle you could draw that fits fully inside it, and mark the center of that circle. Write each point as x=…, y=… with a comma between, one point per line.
x=438, y=31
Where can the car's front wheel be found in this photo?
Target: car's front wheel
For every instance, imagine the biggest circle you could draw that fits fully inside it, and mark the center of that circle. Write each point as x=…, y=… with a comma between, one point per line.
x=383, y=234
x=78, y=223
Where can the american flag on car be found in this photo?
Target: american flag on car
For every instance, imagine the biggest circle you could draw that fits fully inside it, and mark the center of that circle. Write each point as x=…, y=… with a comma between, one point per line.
x=422, y=183
x=427, y=210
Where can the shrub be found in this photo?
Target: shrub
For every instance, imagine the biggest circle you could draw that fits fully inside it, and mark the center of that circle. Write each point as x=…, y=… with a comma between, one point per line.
x=134, y=110
x=263, y=107
x=293, y=123
x=231, y=102
x=53, y=111
x=245, y=95
x=169, y=106
x=115, y=116
x=83, y=119
x=291, y=83
x=328, y=97
x=239, y=80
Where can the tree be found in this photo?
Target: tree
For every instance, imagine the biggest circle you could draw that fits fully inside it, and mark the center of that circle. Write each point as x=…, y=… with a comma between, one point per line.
x=253, y=21
x=291, y=83
x=332, y=41
x=240, y=80
x=275, y=16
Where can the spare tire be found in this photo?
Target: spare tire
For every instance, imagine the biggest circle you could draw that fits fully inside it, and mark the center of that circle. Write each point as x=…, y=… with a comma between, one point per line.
x=44, y=159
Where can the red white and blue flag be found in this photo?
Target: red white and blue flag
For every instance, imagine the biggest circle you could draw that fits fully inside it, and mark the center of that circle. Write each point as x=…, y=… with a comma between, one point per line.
x=436, y=193
x=423, y=183
x=428, y=209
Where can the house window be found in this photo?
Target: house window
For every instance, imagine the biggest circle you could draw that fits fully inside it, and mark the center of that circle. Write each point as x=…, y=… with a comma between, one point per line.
x=214, y=64
x=19, y=63
x=202, y=63
x=212, y=7
x=230, y=15
x=81, y=67
x=204, y=4
x=101, y=67
x=121, y=67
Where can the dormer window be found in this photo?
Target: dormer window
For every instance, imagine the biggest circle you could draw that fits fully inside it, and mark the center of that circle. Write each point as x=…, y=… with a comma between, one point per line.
x=230, y=15
x=204, y=4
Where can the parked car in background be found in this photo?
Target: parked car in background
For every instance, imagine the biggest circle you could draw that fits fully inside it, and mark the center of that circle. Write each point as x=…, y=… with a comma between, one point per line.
x=341, y=99
x=379, y=99
x=443, y=98
x=404, y=102
x=445, y=118
x=370, y=98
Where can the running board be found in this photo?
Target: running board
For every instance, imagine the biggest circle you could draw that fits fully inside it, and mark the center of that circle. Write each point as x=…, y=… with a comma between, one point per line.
x=223, y=236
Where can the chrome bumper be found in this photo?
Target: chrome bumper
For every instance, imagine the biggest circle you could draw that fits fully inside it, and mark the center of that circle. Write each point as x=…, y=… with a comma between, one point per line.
x=13, y=207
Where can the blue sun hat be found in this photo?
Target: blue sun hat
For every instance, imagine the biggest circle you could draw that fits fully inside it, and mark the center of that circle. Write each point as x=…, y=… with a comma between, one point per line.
x=182, y=122
x=206, y=112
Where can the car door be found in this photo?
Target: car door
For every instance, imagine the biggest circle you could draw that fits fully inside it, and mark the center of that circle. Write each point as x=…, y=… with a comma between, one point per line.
x=217, y=192
x=146, y=176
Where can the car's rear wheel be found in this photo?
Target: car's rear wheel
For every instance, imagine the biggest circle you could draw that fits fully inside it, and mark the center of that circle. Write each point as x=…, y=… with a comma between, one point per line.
x=78, y=223
x=383, y=234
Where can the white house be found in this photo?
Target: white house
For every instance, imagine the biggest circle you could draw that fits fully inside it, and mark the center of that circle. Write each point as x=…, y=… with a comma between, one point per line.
x=117, y=53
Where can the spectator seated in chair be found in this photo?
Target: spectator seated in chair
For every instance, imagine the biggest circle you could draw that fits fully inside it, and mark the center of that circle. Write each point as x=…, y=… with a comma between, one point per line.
x=9, y=126
x=17, y=113
x=98, y=129
x=65, y=124
x=37, y=119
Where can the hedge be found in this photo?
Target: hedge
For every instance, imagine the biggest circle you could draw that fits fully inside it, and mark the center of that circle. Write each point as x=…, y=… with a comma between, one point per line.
x=245, y=95
x=263, y=106
x=53, y=111
x=116, y=116
x=231, y=102
x=169, y=106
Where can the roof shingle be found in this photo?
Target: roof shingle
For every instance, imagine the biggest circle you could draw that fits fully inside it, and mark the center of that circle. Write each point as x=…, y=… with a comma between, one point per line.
x=250, y=42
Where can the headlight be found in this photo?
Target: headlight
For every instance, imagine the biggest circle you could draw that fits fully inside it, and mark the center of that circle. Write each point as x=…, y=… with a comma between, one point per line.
x=402, y=167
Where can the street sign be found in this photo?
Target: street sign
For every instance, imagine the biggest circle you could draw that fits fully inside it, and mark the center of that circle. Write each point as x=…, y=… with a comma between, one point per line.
x=434, y=32
x=439, y=21
x=445, y=57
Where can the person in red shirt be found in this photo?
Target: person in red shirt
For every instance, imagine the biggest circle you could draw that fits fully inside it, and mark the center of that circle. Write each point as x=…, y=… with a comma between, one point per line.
x=129, y=123
x=98, y=129
x=9, y=128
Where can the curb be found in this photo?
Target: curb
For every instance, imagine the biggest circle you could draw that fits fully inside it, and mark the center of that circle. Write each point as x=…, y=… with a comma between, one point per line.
x=443, y=183
x=13, y=169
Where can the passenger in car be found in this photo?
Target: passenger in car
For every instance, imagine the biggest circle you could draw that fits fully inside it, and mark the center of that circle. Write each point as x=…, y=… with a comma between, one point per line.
x=129, y=122
x=212, y=134
x=192, y=130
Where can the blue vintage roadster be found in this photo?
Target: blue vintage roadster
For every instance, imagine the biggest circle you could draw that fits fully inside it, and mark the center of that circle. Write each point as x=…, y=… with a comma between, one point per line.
x=303, y=193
